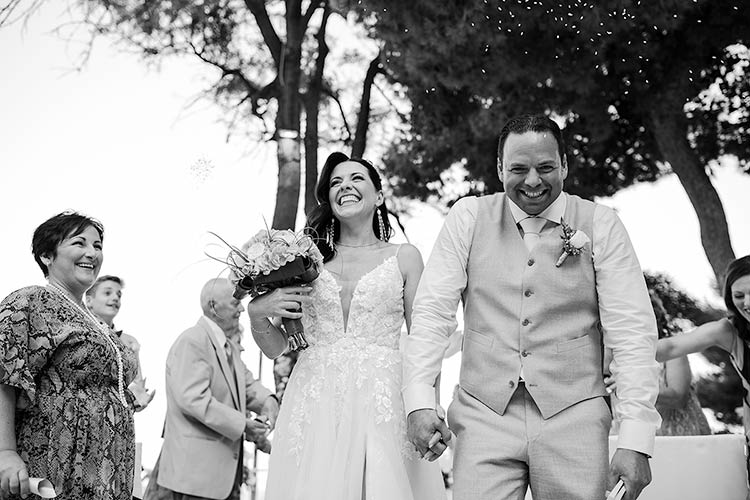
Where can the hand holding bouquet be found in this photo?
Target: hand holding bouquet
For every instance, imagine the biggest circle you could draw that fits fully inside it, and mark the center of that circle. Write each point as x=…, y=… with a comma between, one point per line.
x=276, y=258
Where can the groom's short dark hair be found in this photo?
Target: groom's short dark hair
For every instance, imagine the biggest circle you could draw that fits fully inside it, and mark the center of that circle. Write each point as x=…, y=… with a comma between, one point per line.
x=530, y=123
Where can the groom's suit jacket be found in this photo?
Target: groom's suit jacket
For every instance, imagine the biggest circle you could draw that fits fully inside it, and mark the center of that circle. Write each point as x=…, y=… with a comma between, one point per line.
x=205, y=421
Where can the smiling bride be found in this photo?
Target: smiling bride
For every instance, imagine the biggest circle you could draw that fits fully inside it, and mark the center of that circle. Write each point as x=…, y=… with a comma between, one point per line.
x=341, y=432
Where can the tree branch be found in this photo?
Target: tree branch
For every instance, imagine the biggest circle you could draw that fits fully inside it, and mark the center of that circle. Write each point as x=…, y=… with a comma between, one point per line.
x=327, y=91
x=7, y=11
x=225, y=70
x=312, y=112
x=273, y=42
x=311, y=10
x=363, y=117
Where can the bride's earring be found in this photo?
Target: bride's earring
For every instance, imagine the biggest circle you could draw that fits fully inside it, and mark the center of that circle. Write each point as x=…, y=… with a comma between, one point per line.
x=330, y=236
x=381, y=226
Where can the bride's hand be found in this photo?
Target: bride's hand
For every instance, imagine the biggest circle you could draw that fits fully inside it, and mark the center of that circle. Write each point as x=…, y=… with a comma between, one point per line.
x=282, y=303
x=428, y=432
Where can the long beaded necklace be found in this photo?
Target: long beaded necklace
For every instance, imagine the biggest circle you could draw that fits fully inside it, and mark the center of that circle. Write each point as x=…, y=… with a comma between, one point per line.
x=105, y=333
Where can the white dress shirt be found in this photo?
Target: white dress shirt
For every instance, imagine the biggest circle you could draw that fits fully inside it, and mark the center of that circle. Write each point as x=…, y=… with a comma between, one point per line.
x=625, y=311
x=216, y=331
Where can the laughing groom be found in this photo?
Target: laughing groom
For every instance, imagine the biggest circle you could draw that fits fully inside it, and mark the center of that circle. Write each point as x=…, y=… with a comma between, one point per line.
x=546, y=280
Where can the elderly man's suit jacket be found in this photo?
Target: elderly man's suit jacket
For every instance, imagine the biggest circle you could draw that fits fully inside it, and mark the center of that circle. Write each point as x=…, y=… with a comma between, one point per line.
x=205, y=422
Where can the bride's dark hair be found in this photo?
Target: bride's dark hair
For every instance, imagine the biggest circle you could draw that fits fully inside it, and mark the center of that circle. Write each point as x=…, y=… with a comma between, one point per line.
x=321, y=217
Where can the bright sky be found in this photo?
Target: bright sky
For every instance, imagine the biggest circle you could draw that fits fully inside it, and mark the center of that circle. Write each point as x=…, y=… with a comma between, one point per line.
x=115, y=142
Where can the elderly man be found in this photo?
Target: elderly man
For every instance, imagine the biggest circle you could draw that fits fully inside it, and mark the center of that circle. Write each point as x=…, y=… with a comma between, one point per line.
x=209, y=390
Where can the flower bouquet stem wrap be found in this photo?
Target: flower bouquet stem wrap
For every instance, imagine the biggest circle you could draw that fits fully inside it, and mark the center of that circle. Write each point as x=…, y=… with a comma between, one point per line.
x=275, y=258
x=300, y=270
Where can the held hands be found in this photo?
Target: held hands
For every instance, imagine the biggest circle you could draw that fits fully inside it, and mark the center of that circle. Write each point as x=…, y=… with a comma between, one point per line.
x=428, y=432
x=610, y=385
x=281, y=302
x=14, y=478
x=256, y=429
x=634, y=470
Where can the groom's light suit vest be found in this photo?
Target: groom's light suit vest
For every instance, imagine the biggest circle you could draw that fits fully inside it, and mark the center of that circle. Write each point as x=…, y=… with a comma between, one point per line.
x=522, y=311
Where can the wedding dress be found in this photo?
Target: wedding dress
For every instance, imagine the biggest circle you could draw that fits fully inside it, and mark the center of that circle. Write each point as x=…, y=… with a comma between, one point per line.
x=341, y=432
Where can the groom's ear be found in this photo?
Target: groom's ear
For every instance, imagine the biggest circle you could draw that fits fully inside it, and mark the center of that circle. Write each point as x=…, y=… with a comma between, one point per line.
x=500, y=170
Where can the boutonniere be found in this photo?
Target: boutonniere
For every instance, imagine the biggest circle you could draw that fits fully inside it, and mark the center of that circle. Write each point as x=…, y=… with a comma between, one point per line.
x=573, y=242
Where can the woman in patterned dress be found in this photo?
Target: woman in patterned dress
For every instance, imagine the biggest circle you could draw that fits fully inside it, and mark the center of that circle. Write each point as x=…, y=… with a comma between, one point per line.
x=65, y=412
x=341, y=432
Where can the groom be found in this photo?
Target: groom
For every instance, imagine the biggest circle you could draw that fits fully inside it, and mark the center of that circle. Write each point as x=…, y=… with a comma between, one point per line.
x=530, y=408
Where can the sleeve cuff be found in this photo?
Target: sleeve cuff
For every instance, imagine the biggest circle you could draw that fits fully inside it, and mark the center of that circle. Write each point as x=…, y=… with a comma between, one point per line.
x=637, y=436
x=418, y=397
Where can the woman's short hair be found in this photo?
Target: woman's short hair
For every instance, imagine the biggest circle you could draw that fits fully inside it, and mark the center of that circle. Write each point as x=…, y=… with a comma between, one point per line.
x=50, y=233
x=101, y=279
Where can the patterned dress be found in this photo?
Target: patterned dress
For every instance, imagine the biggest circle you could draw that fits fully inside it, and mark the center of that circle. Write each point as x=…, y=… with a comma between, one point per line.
x=341, y=432
x=71, y=427
x=686, y=421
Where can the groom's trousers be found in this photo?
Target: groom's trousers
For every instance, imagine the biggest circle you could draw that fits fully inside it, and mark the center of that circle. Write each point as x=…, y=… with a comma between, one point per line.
x=498, y=456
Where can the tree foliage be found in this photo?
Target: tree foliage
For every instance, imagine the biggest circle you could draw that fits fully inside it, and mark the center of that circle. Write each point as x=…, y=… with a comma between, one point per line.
x=265, y=66
x=620, y=75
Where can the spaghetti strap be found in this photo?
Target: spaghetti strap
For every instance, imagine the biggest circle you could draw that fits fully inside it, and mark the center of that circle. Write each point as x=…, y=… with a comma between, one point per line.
x=398, y=249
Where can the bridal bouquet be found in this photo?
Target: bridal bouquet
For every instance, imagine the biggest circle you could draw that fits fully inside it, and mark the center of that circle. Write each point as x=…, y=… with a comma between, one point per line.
x=275, y=258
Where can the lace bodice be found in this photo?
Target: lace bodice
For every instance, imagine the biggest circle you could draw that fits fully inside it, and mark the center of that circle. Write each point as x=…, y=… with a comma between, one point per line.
x=356, y=370
x=376, y=313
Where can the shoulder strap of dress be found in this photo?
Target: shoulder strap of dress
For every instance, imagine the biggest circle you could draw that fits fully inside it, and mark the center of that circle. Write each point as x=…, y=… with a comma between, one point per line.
x=398, y=249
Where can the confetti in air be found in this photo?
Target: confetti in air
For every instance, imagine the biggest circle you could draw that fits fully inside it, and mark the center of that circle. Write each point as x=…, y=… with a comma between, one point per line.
x=201, y=169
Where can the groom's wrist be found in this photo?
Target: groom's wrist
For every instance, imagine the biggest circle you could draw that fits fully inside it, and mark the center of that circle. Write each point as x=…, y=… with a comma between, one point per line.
x=418, y=396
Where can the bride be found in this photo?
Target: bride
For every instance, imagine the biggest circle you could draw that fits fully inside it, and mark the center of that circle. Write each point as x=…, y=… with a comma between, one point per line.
x=341, y=432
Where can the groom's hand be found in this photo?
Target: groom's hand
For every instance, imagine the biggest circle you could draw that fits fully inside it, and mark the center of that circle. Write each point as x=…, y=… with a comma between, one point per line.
x=422, y=425
x=633, y=468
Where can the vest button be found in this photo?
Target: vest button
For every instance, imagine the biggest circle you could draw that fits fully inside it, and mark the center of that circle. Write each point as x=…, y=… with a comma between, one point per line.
x=528, y=293
x=525, y=353
x=530, y=262
x=525, y=322
x=511, y=384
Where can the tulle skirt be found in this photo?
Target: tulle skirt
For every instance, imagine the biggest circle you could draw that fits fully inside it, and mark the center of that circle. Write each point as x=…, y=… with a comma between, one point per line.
x=341, y=435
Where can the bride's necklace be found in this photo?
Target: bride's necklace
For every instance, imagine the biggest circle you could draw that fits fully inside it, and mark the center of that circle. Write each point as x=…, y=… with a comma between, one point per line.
x=103, y=329
x=358, y=246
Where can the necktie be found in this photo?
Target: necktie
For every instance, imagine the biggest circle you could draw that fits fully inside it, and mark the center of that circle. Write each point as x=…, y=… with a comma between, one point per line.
x=230, y=359
x=228, y=352
x=532, y=226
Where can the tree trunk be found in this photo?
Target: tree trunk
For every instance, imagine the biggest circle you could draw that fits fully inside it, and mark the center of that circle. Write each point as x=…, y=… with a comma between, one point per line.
x=288, y=121
x=670, y=129
x=312, y=105
x=363, y=117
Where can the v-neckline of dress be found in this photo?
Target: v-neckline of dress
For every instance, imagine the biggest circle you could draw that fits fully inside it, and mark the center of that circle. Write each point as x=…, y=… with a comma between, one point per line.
x=345, y=320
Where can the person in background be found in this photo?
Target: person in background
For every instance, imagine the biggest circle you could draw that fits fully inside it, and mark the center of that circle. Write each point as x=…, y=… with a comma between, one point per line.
x=731, y=333
x=209, y=389
x=65, y=412
x=104, y=299
x=677, y=403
